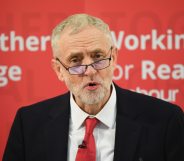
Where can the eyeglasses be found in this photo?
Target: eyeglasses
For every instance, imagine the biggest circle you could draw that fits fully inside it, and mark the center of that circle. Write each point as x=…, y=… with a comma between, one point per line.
x=81, y=69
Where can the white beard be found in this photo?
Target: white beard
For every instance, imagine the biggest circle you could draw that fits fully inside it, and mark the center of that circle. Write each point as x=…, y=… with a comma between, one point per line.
x=90, y=97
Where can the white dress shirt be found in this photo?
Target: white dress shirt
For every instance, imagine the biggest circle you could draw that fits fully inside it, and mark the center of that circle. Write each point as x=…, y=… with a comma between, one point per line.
x=104, y=132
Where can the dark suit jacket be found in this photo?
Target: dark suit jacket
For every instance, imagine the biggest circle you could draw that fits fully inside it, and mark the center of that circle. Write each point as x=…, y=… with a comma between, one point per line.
x=147, y=129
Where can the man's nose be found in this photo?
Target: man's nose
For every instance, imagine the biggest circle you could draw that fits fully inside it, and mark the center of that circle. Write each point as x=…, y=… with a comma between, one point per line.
x=90, y=70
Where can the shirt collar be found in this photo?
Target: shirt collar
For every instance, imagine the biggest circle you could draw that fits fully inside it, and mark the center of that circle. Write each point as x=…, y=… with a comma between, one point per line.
x=106, y=116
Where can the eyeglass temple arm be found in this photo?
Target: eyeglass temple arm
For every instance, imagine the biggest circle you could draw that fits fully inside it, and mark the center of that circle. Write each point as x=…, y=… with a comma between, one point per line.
x=67, y=68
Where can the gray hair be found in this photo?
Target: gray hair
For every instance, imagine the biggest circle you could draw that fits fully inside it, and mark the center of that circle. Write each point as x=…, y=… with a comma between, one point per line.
x=78, y=22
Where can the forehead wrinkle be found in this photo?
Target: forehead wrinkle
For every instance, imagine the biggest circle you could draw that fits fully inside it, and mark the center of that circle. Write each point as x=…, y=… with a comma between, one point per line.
x=82, y=47
x=85, y=37
x=82, y=43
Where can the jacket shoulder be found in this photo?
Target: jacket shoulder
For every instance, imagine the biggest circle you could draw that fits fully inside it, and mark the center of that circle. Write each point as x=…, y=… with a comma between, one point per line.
x=46, y=106
x=137, y=103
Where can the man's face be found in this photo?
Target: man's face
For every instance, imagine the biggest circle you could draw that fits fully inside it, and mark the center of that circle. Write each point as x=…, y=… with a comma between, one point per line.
x=86, y=47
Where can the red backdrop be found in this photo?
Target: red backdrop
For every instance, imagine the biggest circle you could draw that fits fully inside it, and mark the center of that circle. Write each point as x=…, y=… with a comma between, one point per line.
x=148, y=34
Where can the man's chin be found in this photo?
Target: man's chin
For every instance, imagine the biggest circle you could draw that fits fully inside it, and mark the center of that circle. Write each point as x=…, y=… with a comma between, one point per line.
x=91, y=102
x=91, y=98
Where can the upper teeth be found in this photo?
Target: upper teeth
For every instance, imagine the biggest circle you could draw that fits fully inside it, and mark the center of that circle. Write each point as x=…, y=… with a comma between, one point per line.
x=92, y=84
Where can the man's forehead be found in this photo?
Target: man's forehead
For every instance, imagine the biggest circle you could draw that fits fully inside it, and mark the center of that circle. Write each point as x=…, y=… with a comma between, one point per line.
x=87, y=32
x=81, y=44
x=88, y=40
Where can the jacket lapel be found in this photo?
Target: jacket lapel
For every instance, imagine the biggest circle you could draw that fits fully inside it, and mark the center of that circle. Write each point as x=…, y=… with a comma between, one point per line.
x=126, y=140
x=127, y=128
x=56, y=131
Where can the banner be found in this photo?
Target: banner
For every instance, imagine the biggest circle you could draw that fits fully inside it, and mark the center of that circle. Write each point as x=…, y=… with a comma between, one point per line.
x=149, y=36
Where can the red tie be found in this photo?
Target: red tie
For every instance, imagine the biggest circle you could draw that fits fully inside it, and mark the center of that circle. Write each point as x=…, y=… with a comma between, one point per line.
x=87, y=150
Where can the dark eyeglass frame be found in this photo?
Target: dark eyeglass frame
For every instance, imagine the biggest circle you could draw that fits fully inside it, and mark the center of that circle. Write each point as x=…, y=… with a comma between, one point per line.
x=86, y=66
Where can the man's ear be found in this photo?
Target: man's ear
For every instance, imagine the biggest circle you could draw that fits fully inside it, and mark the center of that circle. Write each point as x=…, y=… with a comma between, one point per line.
x=57, y=69
x=114, y=55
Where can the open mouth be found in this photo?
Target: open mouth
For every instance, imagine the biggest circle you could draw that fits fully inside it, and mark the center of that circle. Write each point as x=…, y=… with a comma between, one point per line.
x=92, y=86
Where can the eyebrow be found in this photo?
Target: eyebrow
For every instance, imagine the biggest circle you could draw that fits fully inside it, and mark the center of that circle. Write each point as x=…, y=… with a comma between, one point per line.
x=81, y=54
x=96, y=50
x=75, y=55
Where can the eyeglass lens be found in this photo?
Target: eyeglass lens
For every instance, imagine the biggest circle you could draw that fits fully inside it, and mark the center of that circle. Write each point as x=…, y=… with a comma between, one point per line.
x=96, y=65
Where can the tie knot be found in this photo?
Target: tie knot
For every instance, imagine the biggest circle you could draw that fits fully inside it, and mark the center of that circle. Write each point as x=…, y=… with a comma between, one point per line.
x=90, y=124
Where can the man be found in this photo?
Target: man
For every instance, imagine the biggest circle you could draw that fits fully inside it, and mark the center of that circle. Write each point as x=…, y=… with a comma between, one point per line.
x=96, y=120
